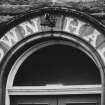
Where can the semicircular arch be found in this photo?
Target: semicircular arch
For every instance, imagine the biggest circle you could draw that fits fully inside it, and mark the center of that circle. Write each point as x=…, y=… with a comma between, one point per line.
x=53, y=20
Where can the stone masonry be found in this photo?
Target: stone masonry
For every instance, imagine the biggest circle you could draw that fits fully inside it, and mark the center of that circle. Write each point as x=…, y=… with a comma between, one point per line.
x=13, y=8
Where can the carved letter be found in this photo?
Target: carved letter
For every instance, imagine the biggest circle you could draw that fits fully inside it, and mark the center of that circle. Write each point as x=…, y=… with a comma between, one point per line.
x=10, y=38
x=1, y=54
x=73, y=26
x=102, y=53
x=92, y=38
x=29, y=28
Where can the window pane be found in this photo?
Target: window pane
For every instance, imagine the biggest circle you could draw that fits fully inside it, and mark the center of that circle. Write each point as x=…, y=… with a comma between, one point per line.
x=57, y=64
x=34, y=104
x=81, y=104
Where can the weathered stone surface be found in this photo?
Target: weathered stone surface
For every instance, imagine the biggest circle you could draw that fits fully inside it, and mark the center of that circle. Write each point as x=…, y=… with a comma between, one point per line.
x=5, y=18
x=11, y=8
x=18, y=6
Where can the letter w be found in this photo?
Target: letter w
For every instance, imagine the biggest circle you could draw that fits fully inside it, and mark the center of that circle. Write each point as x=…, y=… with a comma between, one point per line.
x=10, y=38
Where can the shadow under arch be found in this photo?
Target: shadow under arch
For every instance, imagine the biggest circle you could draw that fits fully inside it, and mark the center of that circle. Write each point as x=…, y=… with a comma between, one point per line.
x=54, y=62
x=7, y=62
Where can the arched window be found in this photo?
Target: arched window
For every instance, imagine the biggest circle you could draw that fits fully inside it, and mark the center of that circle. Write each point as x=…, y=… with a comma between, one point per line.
x=54, y=57
x=55, y=68
x=57, y=64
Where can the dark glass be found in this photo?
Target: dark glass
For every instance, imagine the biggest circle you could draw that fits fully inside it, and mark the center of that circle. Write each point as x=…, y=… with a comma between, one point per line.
x=32, y=104
x=81, y=104
x=57, y=64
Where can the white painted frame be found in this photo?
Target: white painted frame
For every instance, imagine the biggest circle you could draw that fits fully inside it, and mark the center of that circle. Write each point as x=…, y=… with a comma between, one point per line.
x=55, y=90
x=46, y=90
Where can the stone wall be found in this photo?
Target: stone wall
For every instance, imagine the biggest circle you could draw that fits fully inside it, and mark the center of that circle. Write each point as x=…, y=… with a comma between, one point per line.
x=12, y=8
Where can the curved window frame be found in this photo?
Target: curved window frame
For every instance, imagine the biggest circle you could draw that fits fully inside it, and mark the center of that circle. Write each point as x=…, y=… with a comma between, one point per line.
x=55, y=89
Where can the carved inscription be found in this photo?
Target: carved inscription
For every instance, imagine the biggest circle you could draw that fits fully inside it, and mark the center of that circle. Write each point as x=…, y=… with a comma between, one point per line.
x=71, y=25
